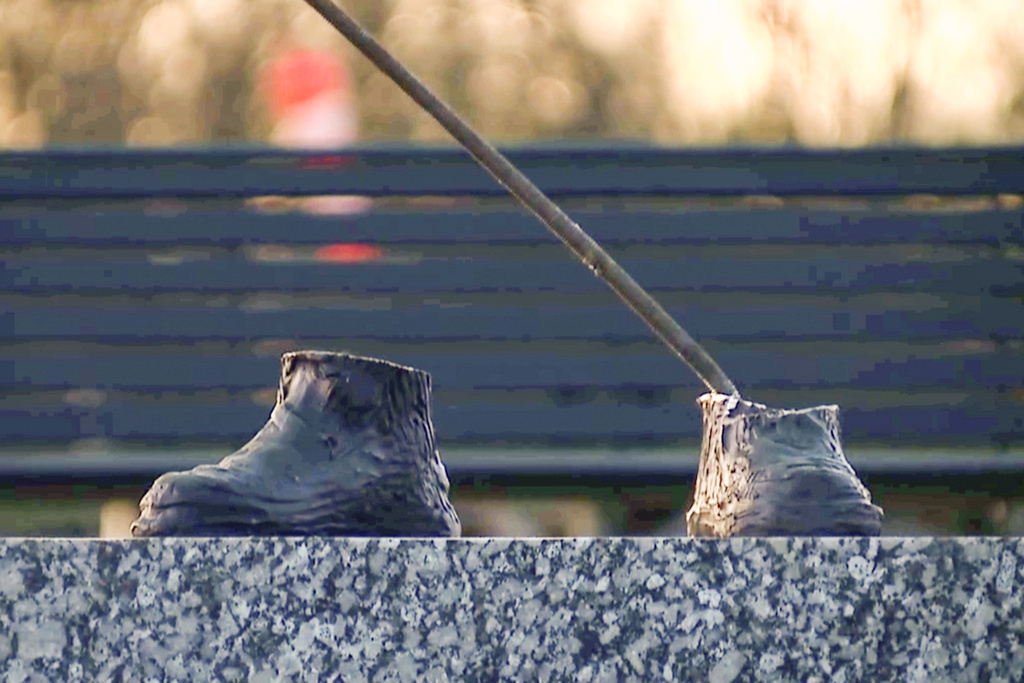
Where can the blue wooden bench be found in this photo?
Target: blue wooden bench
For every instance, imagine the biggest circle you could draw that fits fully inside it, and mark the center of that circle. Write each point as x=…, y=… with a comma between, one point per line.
x=144, y=301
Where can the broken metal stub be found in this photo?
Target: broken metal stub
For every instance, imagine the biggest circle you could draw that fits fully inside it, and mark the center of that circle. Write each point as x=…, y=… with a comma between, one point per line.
x=774, y=472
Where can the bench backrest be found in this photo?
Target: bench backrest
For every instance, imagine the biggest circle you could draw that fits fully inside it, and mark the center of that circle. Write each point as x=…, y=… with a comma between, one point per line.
x=142, y=300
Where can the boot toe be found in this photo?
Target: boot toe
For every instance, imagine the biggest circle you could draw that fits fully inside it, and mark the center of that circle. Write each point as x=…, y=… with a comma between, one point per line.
x=192, y=503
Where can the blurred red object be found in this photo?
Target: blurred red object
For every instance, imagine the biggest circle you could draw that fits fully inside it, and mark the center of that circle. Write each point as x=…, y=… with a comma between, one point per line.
x=328, y=161
x=349, y=253
x=299, y=76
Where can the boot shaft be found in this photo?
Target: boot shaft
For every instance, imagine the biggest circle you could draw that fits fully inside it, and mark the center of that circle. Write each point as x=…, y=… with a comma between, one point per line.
x=355, y=392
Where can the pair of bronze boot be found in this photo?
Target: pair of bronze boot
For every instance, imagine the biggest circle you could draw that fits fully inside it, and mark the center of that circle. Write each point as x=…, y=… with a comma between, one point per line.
x=348, y=451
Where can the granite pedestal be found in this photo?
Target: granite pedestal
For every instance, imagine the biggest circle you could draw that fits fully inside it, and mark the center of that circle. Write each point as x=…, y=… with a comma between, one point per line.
x=673, y=609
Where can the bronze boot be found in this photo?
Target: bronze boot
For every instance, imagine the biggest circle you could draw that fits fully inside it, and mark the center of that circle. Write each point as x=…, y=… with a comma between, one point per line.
x=771, y=472
x=348, y=451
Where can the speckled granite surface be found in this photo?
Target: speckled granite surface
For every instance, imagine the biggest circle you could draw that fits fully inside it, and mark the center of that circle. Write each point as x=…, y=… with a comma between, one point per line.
x=476, y=609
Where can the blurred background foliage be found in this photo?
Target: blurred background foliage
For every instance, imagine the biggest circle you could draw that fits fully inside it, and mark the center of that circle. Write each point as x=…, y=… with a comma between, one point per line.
x=169, y=72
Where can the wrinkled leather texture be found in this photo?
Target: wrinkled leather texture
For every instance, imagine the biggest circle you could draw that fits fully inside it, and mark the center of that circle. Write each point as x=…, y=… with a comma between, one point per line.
x=348, y=451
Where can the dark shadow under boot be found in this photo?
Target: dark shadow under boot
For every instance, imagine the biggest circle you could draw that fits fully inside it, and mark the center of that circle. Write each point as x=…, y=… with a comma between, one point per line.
x=771, y=472
x=348, y=451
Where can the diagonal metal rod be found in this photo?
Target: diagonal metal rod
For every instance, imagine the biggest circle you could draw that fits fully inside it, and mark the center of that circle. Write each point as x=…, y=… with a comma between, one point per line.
x=530, y=196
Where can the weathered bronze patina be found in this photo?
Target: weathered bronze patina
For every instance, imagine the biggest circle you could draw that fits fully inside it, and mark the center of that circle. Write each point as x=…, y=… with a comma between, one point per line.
x=770, y=472
x=348, y=451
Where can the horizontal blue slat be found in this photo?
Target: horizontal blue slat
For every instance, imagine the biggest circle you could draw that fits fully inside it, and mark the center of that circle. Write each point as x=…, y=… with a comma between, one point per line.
x=981, y=420
x=113, y=226
x=753, y=366
x=132, y=463
x=546, y=268
x=828, y=318
x=609, y=171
